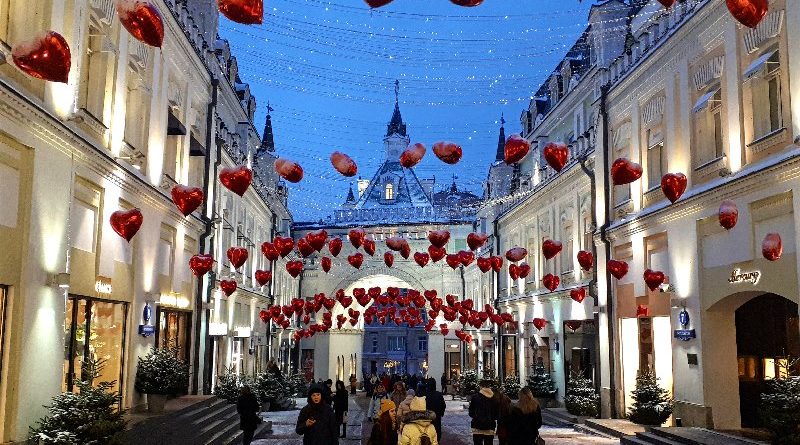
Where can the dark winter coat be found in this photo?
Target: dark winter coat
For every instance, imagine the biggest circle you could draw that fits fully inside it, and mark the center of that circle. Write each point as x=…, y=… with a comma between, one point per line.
x=524, y=428
x=483, y=411
x=327, y=394
x=247, y=407
x=324, y=432
x=340, y=401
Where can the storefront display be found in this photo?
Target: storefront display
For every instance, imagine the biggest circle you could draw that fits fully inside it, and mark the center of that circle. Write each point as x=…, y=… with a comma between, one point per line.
x=173, y=331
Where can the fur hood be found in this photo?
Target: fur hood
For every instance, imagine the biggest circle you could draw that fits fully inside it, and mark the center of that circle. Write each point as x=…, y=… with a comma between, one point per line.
x=487, y=392
x=420, y=417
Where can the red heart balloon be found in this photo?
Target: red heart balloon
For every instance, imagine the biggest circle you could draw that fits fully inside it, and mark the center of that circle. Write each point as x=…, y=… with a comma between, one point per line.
x=228, y=287
x=412, y=155
x=284, y=245
x=484, y=264
x=624, y=171
x=573, y=325
x=439, y=237
x=236, y=179
x=127, y=222
x=187, y=199
x=444, y=328
x=344, y=164
x=513, y=271
x=516, y=149
x=617, y=268
x=453, y=260
x=476, y=240
x=466, y=3
x=748, y=12
x=667, y=3
x=772, y=247
x=317, y=239
x=497, y=263
x=551, y=248
x=264, y=316
x=329, y=303
x=201, y=264
x=377, y=3
x=369, y=246
x=556, y=154
x=673, y=185
x=304, y=248
x=289, y=170
x=421, y=258
x=294, y=268
x=653, y=279
x=524, y=270
x=540, y=323
x=356, y=260
x=585, y=259
x=326, y=264
x=551, y=282
x=335, y=246
x=436, y=253
x=263, y=277
x=516, y=254
x=396, y=243
x=246, y=12
x=357, y=237
x=46, y=56
x=728, y=214
x=405, y=252
x=374, y=292
x=237, y=256
x=142, y=20
x=578, y=294
x=388, y=259
x=466, y=257
x=430, y=295
x=448, y=152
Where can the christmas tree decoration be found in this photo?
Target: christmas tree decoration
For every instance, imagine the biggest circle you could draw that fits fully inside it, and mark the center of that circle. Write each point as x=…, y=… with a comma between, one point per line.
x=46, y=56
x=468, y=383
x=343, y=164
x=581, y=399
x=126, y=223
x=511, y=386
x=772, y=247
x=448, y=152
x=236, y=179
x=556, y=154
x=246, y=12
x=624, y=171
x=652, y=404
x=289, y=170
x=541, y=382
x=142, y=20
x=187, y=199
x=780, y=405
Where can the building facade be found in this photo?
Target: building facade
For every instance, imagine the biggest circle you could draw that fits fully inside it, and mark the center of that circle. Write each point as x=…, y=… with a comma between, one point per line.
x=131, y=122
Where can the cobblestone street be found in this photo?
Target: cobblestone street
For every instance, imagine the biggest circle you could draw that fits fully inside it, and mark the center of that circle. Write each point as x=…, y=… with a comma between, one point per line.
x=455, y=423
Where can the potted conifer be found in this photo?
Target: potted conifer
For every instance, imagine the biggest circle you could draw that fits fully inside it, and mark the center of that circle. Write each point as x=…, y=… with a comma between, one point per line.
x=161, y=374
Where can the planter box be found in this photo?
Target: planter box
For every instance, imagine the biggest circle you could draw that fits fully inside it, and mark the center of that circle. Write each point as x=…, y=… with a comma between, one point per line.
x=155, y=403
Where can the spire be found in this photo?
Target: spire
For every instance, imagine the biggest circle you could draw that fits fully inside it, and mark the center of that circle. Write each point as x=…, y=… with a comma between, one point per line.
x=396, y=125
x=501, y=143
x=350, y=196
x=267, y=140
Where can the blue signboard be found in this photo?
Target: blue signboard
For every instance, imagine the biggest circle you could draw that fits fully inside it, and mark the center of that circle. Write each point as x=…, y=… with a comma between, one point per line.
x=146, y=330
x=685, y=334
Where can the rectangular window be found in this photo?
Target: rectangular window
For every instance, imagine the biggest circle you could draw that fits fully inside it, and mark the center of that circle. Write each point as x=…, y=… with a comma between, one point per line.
x=422, y=344
x=766, y=97
x=708, y=127
x=396, y=343
x=166, y=251
x=84, y=216
x=94, y=79
x=137, y=112
x=655, y=157
x=622, y=149
x=374, y=344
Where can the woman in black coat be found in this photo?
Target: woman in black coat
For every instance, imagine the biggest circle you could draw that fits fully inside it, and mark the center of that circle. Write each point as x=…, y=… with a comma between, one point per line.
x=247, y=407
x=340, y=402
x=526, y=419
x=317, y=422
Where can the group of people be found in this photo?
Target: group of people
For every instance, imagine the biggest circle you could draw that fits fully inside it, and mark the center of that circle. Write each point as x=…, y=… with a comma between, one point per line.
x=493, y=413
x=406, y=416
x=410, y=381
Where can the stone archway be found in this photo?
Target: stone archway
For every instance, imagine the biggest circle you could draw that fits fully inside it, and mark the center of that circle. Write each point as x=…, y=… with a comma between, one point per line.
x=348, y=281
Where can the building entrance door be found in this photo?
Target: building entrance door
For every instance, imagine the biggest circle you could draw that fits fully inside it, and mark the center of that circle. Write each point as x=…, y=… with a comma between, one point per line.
x=767, y=336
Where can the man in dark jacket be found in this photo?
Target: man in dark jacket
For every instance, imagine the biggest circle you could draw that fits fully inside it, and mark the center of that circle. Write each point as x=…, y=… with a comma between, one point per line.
x=317, y=422
x=484, y=413
x=247, y=407
x=327, y=392
x=435, y=403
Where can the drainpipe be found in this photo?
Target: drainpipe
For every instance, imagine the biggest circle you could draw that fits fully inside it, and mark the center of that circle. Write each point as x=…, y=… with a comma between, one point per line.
x=201, y=314
x=500, y=355
x=607, y=250
x=271, y=289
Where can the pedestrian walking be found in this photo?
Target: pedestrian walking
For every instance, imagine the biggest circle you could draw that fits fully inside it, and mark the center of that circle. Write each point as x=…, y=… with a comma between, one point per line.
x=404, y=407
x=340, y=406
x=526, y=420
x=247, y=407
x=375, y=402
x=398, y=393
x=435, y=402
x=418, y=426
x=317, y=421
x=383, y=432
x=503, y=416
x=483, y=411
x=373, y=381
x=327, y=392
x=444, y=383
x=353, y=384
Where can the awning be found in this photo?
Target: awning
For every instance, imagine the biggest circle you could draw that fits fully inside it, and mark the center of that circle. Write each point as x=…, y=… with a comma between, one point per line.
x=195, y=147
x=703, y=101
x=757, y=65
x=174, y=125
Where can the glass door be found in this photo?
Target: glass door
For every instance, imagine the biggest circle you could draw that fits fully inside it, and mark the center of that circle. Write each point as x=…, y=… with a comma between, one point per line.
x=173, y=331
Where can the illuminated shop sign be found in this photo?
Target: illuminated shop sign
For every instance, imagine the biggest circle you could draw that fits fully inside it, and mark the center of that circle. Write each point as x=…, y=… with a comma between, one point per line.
x=737, y=276
x=103, y=286
x=684, y=334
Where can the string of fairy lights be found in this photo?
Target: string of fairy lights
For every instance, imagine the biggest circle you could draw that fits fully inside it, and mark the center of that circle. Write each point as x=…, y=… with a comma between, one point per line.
x=458, y=70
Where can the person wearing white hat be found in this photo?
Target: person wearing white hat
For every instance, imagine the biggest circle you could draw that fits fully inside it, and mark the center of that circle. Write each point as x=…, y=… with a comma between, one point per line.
x=418, y=425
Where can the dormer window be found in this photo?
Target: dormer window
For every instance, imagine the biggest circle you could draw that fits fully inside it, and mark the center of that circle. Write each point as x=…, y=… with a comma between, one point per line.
x=389, y=194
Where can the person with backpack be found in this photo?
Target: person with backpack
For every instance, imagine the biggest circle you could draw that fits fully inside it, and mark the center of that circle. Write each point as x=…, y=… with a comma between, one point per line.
x=435, y=402
x=317, y=421
x=418, y=426
x=379, y=395
x=525, y=420
x=484, y=413
x=384, y=432
x=340, y=406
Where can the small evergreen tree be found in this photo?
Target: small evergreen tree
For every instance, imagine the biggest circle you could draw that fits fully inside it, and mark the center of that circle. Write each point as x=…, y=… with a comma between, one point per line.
x=227, y=386
x=580, y=398
x=298, y=385
x=162, y=372
x=91, y=416
x=541, y=383
x=780, y=409
x=511, y=386
x=268, y=388
x=651, y=403
x=468, y=383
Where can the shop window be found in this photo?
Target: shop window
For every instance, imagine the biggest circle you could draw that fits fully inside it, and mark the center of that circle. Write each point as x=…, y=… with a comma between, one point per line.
x=707, y=121
x=646, y=356
x=173, y=331
x=655, y=157
x=765, y=87
x=621, y=144
x=94, y=330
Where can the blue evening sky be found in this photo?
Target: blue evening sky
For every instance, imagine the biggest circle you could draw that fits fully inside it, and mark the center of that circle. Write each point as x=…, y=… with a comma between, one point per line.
x=327, y=67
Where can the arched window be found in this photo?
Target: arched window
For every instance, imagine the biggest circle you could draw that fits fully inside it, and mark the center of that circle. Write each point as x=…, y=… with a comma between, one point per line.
x=389, y=191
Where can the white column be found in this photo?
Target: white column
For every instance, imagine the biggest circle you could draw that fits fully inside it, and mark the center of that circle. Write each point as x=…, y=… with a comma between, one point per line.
x=793, y=60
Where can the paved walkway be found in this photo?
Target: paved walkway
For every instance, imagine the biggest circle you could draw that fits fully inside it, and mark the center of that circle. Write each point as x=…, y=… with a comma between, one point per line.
x=455, y=424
